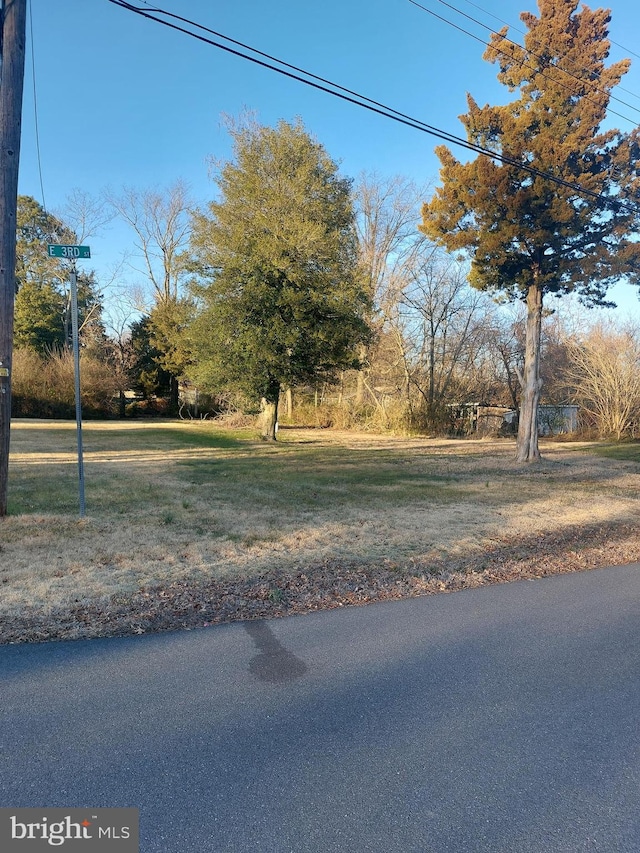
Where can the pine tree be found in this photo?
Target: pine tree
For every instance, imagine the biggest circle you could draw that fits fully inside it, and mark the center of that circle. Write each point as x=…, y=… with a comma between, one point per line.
x=528, y=235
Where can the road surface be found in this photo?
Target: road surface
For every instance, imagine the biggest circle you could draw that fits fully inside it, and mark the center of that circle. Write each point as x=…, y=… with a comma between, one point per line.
x=500, y=719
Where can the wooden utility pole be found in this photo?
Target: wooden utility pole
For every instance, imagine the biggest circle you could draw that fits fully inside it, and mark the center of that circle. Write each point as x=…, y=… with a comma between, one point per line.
x=12, y=48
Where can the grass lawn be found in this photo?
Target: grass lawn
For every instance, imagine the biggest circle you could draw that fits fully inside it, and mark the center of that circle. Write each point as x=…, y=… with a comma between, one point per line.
x=624, y=450
x=186, y=504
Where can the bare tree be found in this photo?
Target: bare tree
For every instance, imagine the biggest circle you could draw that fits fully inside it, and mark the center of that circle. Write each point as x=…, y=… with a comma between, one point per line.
x=161, y=224
x=433, y=340
x=387, y=225
x=160, y=220
x=123, y=311
x=445, y=326
x=428, y=321
x=85, y=214
x=605, y=374
x=507, y=348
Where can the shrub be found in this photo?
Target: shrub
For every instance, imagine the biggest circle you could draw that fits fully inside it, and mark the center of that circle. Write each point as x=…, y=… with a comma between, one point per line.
x=43, y=386
x=434, y=419
x=604, y=371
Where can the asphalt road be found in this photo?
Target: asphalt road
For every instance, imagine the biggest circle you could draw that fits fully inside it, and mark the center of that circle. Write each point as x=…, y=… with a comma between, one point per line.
x=500, y=719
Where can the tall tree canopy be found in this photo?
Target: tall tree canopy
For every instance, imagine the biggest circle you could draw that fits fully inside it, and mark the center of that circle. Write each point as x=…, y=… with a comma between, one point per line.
x=282, y=297
x=527, y=234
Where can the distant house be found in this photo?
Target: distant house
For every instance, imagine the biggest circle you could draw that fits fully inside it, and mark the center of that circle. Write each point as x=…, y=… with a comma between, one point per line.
x=477, y=418
x=552, y=420
x=482, y=420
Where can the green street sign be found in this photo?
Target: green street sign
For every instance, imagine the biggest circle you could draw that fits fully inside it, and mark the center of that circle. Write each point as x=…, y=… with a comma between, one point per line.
x=71, y=252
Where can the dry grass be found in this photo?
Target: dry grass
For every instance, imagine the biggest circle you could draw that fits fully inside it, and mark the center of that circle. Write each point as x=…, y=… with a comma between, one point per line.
x=186, y=503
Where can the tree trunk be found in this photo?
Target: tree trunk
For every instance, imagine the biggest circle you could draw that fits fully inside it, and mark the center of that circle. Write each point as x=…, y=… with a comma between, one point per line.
x=527, y=445
x=432, y=370
x=360, y=378
x=174, y=395
x=359, y=398
x=270, y=412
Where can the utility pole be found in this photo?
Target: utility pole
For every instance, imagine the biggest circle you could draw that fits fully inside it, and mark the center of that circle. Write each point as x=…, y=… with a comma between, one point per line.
x=13, y=17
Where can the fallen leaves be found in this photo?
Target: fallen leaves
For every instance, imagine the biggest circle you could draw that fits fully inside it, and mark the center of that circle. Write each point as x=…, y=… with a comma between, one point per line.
x=326, y=585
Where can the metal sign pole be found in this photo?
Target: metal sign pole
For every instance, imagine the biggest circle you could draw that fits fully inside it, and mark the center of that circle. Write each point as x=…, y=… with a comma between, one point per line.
x=73, y=280
x=71, y=253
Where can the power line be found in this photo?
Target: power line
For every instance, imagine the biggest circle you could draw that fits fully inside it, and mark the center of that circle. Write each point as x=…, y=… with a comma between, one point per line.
x=571, y=89
x=35, y=104
x=337, y=90
x=444, y=134
x=626, y=50
x=324, y=85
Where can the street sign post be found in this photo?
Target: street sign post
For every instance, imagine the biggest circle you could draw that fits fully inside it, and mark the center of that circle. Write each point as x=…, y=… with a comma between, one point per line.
x=72, y=253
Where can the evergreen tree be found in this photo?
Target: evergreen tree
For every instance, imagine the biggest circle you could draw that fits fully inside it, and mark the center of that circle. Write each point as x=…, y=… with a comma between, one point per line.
x=42, y=320
x=281, y=292
x=528, y=235
x=168, y=323
x=144, y=371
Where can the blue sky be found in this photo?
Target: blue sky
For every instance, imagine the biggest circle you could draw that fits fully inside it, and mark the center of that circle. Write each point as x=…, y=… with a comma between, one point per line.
x=122, y=101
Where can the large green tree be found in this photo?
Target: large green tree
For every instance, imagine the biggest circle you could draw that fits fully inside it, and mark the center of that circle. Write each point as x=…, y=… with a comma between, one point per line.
x=528, y=235
x=280, y=286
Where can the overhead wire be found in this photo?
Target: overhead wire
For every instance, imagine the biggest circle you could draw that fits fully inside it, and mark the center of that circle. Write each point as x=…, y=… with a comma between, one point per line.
x=35, y=104
x=566, y=86
x=327, y=86
x=626, y=50
x=445, y=135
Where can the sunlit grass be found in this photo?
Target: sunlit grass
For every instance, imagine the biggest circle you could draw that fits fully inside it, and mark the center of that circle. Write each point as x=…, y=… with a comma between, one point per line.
x=171, y=500
x=628, y=451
